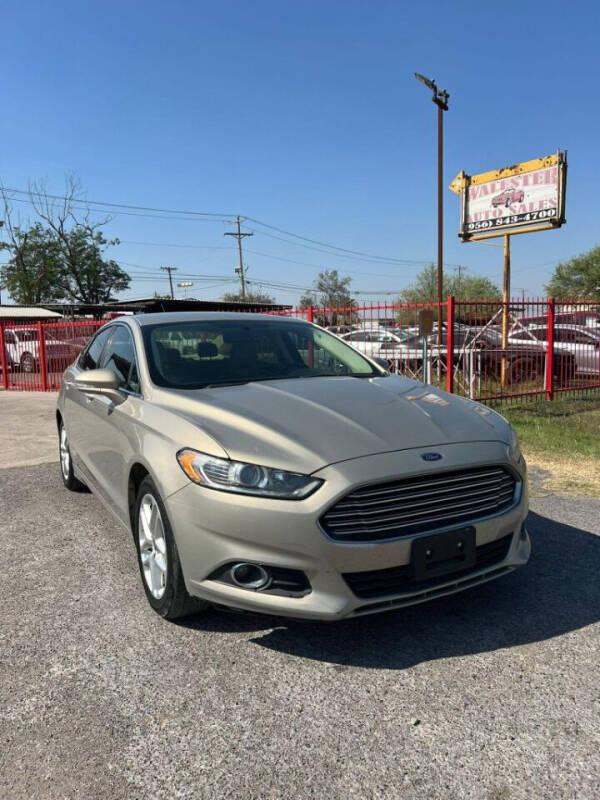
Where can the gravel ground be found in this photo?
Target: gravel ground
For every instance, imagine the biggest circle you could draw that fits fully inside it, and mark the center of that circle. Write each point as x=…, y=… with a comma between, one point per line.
x=492, y=694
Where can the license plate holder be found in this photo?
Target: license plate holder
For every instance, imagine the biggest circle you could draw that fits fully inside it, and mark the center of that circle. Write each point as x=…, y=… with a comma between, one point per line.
x=443, y=553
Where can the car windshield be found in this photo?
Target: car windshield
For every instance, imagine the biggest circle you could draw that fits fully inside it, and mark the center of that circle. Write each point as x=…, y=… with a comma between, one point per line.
x=192, y=355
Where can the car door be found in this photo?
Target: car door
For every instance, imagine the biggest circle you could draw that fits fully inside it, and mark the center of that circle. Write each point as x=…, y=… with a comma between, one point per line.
x=112, y=440
x=77, y=405
x=583, y=346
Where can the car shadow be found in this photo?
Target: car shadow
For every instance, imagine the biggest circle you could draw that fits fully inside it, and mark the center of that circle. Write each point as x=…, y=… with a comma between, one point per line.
x=557, y=592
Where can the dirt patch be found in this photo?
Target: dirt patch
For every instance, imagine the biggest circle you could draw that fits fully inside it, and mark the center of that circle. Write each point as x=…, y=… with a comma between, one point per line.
x=576, y=476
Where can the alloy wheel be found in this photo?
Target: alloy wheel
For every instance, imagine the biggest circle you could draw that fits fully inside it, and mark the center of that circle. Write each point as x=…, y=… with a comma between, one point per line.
x=153, y=546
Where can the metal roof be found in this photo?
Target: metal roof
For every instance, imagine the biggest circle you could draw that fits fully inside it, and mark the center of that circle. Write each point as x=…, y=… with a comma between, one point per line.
x=148, y=305
x=27, y=312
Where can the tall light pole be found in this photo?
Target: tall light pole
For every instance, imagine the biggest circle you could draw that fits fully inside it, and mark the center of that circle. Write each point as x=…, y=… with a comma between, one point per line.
x=185, y=285
x=440, y=98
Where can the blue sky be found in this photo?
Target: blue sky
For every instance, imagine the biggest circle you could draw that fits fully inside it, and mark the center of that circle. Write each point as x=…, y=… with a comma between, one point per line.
x=303, y=115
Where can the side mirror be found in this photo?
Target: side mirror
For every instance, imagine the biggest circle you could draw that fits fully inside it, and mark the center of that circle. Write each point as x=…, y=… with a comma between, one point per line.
x=100, y=381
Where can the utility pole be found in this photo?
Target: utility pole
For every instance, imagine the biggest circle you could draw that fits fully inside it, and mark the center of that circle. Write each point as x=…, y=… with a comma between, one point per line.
x=523, y=291
x=170, y=270
x=460, y=270
x=440, y=98
x=240, y=269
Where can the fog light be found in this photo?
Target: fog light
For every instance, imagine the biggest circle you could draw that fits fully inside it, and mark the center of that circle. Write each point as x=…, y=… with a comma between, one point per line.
x=250, y=576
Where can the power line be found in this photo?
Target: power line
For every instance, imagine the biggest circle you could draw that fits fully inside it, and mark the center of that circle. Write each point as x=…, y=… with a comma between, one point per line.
x=117, y=205
x=173, y=244
x=211, y=216
x=134, y=210
x=89, y=207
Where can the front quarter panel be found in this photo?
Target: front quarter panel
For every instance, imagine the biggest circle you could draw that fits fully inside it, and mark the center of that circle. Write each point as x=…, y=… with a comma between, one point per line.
x=160, y=434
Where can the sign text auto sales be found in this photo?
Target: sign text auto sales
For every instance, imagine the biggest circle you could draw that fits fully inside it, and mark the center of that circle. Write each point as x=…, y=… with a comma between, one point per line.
x=529, y=197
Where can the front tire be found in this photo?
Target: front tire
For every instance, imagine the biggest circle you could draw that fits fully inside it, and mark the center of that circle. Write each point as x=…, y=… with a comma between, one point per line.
x=158, y=558
x=66, y=462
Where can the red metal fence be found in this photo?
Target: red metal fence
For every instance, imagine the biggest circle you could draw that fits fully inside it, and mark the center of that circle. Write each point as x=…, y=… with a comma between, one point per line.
x=34, y=356
x=486, y=350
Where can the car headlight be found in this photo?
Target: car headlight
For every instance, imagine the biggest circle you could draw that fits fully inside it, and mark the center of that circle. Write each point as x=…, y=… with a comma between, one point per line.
x=514, y=449
x=237, y=476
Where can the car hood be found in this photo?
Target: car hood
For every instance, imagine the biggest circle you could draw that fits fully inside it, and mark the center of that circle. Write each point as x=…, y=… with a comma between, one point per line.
x=306, y=424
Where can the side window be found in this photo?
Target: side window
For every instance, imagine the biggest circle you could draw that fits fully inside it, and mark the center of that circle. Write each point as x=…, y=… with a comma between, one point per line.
x=120, y=357
x=9, y=337
x=90, y=357
x=541, y=334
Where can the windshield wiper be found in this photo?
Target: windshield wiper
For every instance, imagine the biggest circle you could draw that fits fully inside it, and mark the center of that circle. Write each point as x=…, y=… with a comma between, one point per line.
x=225, y=383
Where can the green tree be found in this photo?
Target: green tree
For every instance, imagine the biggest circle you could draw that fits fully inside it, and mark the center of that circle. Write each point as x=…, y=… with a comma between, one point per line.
x=462, y=287
x=424, y=287
x=64, y=251
x=473, y=287
x=577, y=278
x=329, y=291
x=85, y=275
x=257, y=296
x=32, y=272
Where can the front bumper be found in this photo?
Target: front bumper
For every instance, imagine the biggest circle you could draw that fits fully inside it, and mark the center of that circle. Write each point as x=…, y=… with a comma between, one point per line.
x=213, y=528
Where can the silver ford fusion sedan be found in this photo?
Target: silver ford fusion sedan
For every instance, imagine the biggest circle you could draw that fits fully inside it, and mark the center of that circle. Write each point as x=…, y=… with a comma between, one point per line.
x=262, y=463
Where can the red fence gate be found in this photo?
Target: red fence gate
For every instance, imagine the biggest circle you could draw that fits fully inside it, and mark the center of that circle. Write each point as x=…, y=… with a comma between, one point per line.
x=486, y=350
x=34, y=356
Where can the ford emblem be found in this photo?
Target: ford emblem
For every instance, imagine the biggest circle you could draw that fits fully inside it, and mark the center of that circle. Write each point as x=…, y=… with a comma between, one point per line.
x=431, y=456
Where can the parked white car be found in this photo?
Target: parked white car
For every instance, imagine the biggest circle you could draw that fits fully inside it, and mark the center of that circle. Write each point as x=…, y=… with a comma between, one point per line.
x=370, y=340
x=23, y=350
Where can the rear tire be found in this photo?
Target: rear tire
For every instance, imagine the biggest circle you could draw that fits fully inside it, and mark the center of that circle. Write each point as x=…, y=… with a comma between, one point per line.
x=158, y=559
x=27, y=363
x=66, y=462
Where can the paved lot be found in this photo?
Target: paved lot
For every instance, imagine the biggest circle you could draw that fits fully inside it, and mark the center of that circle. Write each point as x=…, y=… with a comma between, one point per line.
x=28, y=428
x=99, y=698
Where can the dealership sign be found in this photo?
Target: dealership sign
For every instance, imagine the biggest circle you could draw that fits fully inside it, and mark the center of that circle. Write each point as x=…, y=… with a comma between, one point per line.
x=523, y=197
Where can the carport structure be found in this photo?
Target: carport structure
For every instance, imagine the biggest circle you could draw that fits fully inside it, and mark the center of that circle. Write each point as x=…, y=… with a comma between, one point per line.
x=38, y=343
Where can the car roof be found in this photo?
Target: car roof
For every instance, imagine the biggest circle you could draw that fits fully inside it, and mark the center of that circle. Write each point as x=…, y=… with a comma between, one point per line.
x=573, y=327
x=204, y=316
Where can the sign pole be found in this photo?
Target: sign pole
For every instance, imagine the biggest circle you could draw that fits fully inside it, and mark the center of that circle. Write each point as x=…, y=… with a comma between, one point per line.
x=505, y=302
x=440, y=231
x=440, y=98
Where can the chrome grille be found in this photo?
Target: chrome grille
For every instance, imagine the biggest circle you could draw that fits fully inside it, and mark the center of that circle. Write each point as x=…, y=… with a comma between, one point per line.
x=419, y=504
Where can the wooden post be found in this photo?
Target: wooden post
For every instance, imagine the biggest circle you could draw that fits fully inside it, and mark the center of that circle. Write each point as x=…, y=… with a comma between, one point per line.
x=505, y=302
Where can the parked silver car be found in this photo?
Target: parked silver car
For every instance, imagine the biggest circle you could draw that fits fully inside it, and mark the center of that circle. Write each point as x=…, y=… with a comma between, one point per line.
x=582, y=342
x=262, y=463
